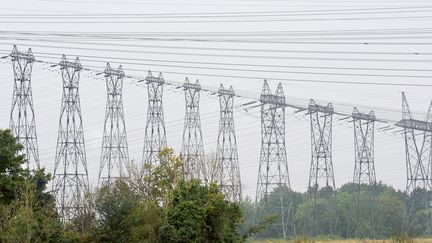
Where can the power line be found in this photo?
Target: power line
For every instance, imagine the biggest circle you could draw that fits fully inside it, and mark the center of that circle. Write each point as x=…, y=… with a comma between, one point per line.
x=220, y=13
x=240, y=69
x=271, y=41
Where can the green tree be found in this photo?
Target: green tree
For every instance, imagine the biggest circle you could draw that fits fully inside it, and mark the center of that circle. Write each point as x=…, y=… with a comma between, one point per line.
x=198, y=213
x=114, y=204
x=133, y=210
x=164, y=177
x=29, y=219
x=12, y=174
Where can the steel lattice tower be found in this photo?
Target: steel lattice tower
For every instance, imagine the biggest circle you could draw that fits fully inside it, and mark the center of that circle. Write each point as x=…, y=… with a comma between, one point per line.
x=70, y=183
x=418, y=142
x=155, y=133
x=22, y=118
x=364, y=168
x=273, y=177
x=114, y=161
x=192, y=147
x=226, y=154
x=321, y=169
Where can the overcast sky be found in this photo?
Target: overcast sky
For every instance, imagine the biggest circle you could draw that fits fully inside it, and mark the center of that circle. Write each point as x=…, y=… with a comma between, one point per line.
x=293, y=42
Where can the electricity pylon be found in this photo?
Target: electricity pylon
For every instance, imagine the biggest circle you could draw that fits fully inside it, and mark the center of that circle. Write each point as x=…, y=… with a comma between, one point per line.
x=364, y=169
x=155, y=133
x=114, y=161
x=418, y=142
x=22, y=117
x=192, y=147
x=273, y=183
x=70, y=183
x=321, y=176
x=226, y=154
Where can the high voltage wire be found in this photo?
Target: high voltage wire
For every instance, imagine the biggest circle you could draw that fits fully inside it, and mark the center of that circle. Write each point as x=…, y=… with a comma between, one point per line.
x=295, y=106
x=381, y=31
x=219, y=21
x=300, y=102
x=288, y=80
x=204, y=15
x=364, y=83
x=239, y=37
x=252, y=65
x=252, y=41
x=219, y=13
x=227, y=3
x=211, y=49
x=236, y=69
x=262, y=56
x=343, y=82
x=182, y=67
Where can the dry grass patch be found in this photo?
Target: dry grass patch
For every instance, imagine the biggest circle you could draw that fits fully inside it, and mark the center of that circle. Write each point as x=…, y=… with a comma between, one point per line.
x=306, y=240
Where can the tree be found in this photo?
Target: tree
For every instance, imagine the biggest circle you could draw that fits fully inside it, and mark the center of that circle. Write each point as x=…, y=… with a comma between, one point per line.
x=29, y=219
x=164, y=177
x=12, y=174
x=27, y=212
x=113, y=204
x=132, y=210
x=198, y=213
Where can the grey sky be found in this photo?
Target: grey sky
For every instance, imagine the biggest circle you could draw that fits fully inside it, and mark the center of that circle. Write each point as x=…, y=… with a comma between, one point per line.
x=293, y=22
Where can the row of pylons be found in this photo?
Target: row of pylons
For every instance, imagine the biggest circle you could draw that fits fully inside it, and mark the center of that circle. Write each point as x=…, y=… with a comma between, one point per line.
x=70, y=181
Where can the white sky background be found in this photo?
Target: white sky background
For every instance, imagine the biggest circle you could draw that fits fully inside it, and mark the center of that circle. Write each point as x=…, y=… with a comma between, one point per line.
x=292, y=23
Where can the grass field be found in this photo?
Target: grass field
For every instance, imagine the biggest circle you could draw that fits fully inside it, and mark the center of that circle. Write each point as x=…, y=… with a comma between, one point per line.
x=429, y=240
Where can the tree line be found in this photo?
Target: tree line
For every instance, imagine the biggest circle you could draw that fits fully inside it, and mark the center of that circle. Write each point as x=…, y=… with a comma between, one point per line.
x=352, y=211
x=160, y=206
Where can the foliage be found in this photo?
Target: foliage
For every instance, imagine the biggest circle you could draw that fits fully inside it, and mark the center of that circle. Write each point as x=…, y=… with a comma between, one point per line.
x=12, y=173
x=198, y=213
x=29, y=219
x=163, y=178
x=27, y=212
x=379, y=213
x=158, y=205
x=261, y=226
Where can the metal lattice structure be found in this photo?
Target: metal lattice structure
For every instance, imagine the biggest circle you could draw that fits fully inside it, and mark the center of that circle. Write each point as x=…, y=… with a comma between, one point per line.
x=321, y=174
x=364, y=168
x=155, y=133
x=192, y=147
x=114, y=161
x=321, y=170
x=70, y=183
x=226, y=154
x=418, y=152
x=22, y=117
x=273, y=177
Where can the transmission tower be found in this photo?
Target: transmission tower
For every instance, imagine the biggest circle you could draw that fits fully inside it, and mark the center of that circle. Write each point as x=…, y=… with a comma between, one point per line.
x=321, y=175
x=155, y=134
x=70, y=182
x=22, y=118
x=418, y=142
x=114, y=156
x=226, y=154
x=273, y=178
x=364, y=167
x=193, y=148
